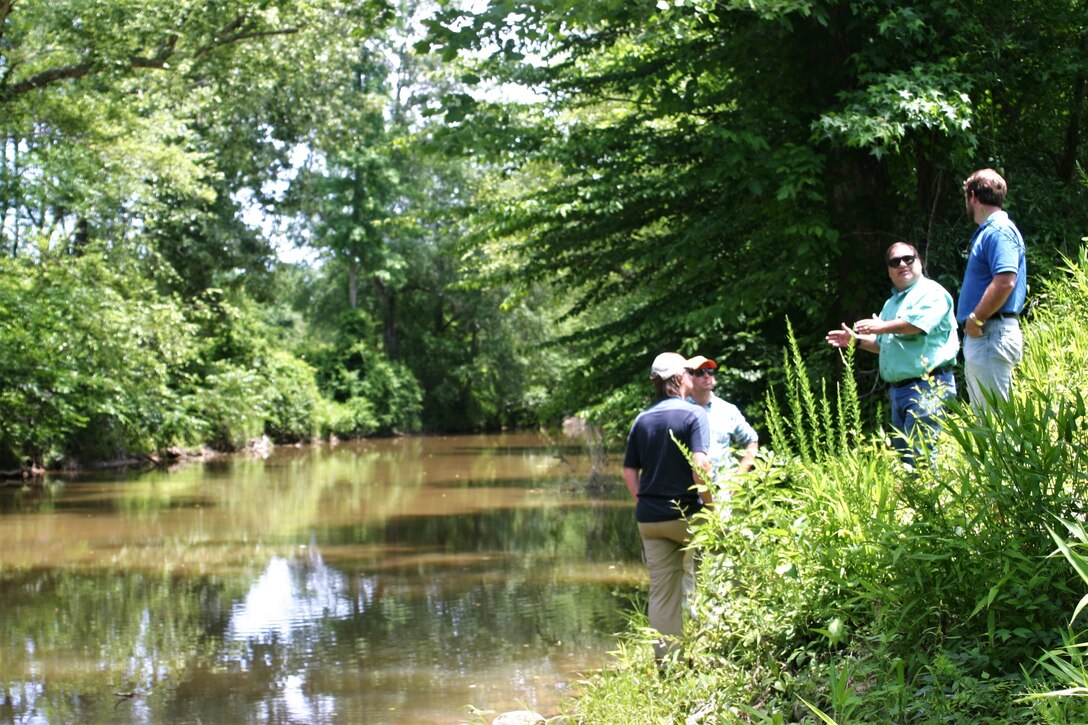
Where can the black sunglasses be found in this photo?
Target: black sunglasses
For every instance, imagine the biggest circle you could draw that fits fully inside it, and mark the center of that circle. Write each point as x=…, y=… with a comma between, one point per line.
x=701, y=372
x=908, y=258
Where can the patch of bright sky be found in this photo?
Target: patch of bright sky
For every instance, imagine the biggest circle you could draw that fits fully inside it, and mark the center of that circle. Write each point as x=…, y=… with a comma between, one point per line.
x=505, y=92
x=293, y=249
x=290, y=250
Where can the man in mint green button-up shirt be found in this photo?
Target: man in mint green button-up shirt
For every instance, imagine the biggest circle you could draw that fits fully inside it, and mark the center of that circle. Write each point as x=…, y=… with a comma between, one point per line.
x=916, y=339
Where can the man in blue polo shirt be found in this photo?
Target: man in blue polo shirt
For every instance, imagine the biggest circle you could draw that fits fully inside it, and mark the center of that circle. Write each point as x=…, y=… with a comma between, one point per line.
x=993, y=292
x=667, y=491
x=916, y=339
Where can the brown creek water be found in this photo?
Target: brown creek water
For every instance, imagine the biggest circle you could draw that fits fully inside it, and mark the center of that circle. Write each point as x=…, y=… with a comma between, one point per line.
x=412, y=580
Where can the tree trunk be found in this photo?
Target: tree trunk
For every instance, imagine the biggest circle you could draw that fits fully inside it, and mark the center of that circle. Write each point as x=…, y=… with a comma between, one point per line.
x=389, y=331
x=81, y=237
x=1067, y=163
x=353, y=283
x=387, y=304
x=4, y=200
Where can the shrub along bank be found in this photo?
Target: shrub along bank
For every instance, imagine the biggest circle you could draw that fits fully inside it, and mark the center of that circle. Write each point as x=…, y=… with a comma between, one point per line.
x=98, y=363
x=840, y=587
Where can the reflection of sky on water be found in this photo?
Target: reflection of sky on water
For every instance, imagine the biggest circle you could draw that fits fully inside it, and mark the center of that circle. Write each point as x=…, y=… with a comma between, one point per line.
x=303, y=708
x=463, y=629
x=286, y=598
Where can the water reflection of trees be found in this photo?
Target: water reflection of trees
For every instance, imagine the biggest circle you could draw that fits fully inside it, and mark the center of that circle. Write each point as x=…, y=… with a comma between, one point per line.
x=70, y=640
x=350, y=603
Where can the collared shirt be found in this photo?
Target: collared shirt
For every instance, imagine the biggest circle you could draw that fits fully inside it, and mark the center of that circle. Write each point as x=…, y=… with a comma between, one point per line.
x=928, y=306
x=665, y=478
x=728, y=428
x=996, y=247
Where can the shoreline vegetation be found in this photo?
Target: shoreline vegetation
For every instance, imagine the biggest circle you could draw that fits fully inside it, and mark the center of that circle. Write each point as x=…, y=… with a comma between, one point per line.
x=571, y=427
x=169, y=457
x=840, y=587
x=102, y=365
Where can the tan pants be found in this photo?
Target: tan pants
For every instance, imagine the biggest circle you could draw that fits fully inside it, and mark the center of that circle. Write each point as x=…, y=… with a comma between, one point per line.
x=672, y=578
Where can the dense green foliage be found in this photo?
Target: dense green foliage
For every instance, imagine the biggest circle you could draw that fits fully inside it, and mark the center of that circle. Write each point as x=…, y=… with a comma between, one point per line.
x=839, y=580
x=100, y=365
x=147, y=170
x=502, y=214
x=691, y=172
x=88, y=357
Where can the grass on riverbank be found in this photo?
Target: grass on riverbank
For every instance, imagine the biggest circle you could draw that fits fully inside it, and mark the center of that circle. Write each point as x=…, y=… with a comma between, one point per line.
x=842, y=587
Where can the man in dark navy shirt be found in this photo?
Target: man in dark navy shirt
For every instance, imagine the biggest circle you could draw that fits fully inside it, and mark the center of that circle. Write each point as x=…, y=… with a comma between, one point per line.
x=668, y=490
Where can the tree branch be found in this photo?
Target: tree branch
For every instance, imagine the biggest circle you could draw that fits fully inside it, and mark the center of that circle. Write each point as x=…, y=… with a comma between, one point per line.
x=162, y=55
x=1067, y=162
x=45, y=78
x=228, y=35
x=220, y=41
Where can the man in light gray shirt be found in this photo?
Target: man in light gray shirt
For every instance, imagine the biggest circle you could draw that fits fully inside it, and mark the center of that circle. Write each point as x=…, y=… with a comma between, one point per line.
x=728, y=428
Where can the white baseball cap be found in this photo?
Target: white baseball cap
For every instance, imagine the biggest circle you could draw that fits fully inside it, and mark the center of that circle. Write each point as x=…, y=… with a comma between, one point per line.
x=669, y=364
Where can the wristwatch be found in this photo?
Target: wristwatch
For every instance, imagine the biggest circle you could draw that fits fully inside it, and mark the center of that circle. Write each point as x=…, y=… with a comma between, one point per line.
x=975, y=320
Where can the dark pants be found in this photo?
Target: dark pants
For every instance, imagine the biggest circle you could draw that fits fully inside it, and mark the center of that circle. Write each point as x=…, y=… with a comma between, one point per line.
x=916, y=413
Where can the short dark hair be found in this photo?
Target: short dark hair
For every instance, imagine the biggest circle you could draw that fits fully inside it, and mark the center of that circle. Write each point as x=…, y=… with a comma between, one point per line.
x=667, y=387
x=987, y=186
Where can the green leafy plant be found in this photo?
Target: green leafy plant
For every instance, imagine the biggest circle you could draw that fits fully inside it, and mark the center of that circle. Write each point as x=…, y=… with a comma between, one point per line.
x=839, y=585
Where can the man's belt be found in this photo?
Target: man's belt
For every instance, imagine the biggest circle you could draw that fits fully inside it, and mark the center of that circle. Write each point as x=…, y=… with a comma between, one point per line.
x=939, y=370
x=1002, y=315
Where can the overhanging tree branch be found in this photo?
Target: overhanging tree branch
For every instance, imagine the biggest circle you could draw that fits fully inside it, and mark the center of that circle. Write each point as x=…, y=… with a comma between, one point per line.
x=229, y=34
x=45, y=78
x=165, y=52
x=239, y=37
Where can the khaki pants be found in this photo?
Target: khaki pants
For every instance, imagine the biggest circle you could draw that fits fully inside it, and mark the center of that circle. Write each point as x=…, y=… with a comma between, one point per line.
x=672, y=578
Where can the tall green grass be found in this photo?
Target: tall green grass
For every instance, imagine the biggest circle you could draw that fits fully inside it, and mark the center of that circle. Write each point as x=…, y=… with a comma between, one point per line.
x=813, y=428
x=839, y=585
